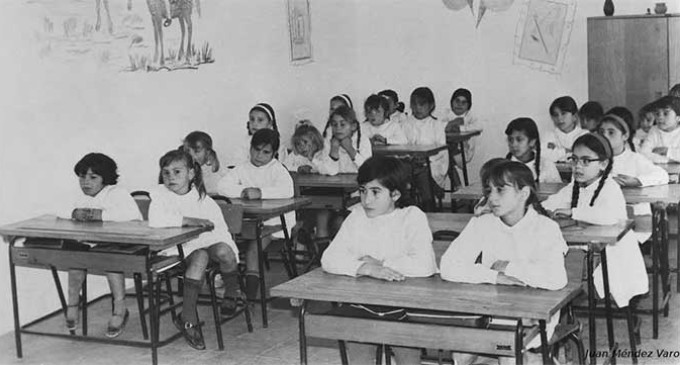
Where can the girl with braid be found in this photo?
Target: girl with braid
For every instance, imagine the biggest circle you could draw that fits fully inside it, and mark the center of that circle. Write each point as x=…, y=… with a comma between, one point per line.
x=595, y=197
x=524, y=144
x=346, y=148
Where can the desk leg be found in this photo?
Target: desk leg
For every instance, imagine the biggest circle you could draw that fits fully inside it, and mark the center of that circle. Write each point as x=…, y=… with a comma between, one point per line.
x=591, y=308
x=303, y=335
x=15, y=301
x=260, y=269
x=288, y=244
x=607, y=302
x=432, y=183
x=544, y=342
x=677, y=262
x=462, y=157
x=656, y=244
x=83, y=303
x=60, y=293
x=519, y=343
x=153, y=319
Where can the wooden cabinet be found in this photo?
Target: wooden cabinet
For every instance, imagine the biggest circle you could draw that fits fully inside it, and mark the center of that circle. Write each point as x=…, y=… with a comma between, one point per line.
x=632, y=60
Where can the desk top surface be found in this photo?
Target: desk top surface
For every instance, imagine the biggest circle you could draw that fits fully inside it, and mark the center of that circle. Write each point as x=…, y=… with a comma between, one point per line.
x=580, y=233
x=131, y=232
x=408, y=149
x=345, y=181
x=271, y=206
x=430, y=293
x=672, y=168
x=457, y=137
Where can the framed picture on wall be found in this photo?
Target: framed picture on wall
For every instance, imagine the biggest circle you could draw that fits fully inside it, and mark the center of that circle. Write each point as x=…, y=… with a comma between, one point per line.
x=300, y=27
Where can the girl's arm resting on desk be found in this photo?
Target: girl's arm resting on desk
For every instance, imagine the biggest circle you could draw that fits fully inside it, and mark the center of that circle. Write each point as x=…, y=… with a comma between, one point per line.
x=230, y=185
x=280, y=187
x=419, y=260
x=559, y=200
x=544, y=266
x=340, y=257
x=458, y=262
x=603, y=212
x=650, y=174
x=162, y=213
x=647, y=148
x=324, y=165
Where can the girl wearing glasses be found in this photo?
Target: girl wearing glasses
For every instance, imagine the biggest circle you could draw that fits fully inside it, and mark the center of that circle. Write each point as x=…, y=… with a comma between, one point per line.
x=595, y=197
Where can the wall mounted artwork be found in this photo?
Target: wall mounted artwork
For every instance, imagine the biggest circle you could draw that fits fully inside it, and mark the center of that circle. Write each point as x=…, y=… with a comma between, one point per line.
x=543, y=33
x=299, y=24
x=484, y=5
x=122, y=35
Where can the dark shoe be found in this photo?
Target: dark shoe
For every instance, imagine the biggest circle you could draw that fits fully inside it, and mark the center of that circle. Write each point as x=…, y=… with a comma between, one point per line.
x=112, y=331
x=191, y=332
x=252, y=286
x=231, y=306
x=72, y=323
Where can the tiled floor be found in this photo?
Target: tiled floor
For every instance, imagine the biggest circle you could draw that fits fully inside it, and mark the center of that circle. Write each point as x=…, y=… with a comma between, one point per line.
x=276, y=345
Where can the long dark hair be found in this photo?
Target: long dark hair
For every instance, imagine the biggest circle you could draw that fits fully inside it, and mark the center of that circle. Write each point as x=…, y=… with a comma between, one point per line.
x=518, y=175
x=185, y=157
x=529, y=128
x=391, y=173
x=600, y=145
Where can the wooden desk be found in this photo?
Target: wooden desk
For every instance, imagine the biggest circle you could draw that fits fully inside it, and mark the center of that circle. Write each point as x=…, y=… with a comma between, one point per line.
x=428, y=294
x=137, y=233
x=255, y=213
x=474, y=191
x=673, y=168
x=339, y=189
x=459, y=138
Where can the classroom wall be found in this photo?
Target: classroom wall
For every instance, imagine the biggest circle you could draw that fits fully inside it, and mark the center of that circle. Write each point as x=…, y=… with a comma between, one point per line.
x=52, y=113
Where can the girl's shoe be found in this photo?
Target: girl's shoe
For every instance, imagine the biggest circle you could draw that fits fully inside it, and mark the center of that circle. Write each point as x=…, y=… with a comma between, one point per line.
x=72, y=323
x=113, y=331
x=191, y=332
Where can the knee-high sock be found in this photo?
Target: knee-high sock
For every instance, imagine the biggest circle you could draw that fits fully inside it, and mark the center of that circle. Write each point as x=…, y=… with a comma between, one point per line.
x=191, y=289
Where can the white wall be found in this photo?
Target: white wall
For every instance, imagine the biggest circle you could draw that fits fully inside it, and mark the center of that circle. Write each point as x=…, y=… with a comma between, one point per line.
x=52, y=113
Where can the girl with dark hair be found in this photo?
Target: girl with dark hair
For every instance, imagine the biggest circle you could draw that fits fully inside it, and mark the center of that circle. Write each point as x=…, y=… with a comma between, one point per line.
x=200, y=147
x=594, y=197
x=260, y=116
x=345, y=149
x=181, y=200
x=396, y=107
x=524, y=144
x=384, y=238
x=461, y=118
x=558, y=142
x=378, y=127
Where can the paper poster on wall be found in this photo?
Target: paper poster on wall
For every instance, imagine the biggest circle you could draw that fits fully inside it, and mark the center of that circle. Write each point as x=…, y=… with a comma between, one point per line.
x=118, y=35
x=543, y=33
x=299, y=23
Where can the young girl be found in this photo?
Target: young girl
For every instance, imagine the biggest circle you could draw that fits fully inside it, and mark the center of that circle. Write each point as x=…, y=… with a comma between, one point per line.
x=646, y=119
x=423, y=128
x=336, y=102
x=461, y=118
x=307, y=145
x=346, y=147
x=524, y=144
x=594, y=197
x=261, y=116
x=590, y=114
x=181, y=200
x=396, y=107
x=378, y=127
x=662, y=144
x=564, y=114
x=102, y=200
x=382, y=238
x=199, y=146
x=263, y=177
x=518, y=243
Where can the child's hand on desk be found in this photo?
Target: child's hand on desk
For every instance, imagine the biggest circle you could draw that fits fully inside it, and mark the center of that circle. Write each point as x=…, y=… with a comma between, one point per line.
x=251, y=193
x=86, y=215
x=305, y=169
x=379, y=272
x=629, y=181
x=196, y=222
x=370, y=260
x=378, y=139
x=508, y=280
x=663, y=151
x=500, y=266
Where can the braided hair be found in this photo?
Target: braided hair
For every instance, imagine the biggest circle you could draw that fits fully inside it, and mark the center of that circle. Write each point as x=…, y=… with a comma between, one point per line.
x=529, y=128
x=347, y=114
x=518, y=175
x=600, y=145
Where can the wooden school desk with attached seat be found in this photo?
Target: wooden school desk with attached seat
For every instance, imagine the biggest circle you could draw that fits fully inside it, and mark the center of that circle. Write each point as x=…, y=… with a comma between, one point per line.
x=335, y=190
x=457, y=140
x=137, y=255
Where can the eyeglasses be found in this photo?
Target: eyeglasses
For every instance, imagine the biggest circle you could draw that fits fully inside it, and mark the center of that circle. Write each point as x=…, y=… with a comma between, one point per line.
x=584, y=161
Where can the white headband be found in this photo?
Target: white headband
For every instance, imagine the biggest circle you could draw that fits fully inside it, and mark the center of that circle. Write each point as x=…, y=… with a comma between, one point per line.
x=264, y=108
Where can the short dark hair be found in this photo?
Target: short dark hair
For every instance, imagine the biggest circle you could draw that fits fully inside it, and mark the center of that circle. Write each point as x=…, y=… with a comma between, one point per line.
x=374, y=102
x=391, y=173
x=464, y=93
x=101, y=165
x=668, y=102
x=591, y=110
x=266, y=137
x=565, y=104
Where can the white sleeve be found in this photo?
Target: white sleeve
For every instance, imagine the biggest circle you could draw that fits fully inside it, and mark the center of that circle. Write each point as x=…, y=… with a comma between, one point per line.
x=341, y=257
x=324, y=164
x=120, y=207
x=397, y=135
x=554, y=154
x=419, y=259
x=162, y=212
x=230, y=185
x=364, y=151
x=608, y=202
x=648, y=173
x=281, y=185
x=652, y=141
x=458, y=262
x=549, y=172
x=559, y=200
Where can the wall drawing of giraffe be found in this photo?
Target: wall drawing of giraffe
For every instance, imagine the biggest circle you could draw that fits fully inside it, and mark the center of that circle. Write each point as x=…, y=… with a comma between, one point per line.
x=98, y=5
x=162, y=12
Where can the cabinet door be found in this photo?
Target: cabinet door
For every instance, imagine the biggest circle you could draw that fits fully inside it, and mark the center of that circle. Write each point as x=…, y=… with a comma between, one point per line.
x=673, y=51
x=606, y=66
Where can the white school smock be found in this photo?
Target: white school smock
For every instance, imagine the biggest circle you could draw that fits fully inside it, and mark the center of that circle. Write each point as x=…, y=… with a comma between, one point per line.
x=273, y=180
x=638, y=138
x=429, y=131
x=399, y=117
x=562, y=141
x=549, y=172
x=470, y=123
x=293, y=162
x=391, y=130
x=659, y=138
x=344, y=164
x=211, y=179
x=401, y=239
x=115, y=202
x=167, y=209
x=627, y=272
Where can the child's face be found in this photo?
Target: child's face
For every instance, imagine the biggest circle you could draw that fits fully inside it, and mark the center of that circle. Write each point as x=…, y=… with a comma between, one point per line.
x=616, y=138
x=342, y=129
x=391, y=105
x=460, y=105
x=666, y=119
x=258, y=120
x=586, y=165
x=305, y=146
x=521, y=146
x=507, y=200
x=589, y=124
x=90, y=183
x=199, y=153
x=647, y=121
x=421, y=109
x=261, y=155
x=376, y=116
x=564, y=121
x=377, y=199
x=177, y=177
x=334, y=105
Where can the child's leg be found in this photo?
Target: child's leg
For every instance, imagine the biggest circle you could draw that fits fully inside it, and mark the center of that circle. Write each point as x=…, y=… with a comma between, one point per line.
x=422, y=182
x=193, y=280
x=322, y=219
x=75, y=284
x=226, y=258
x=406, y=355
x=252, y=267
x=117, y=286
x=361, y=353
